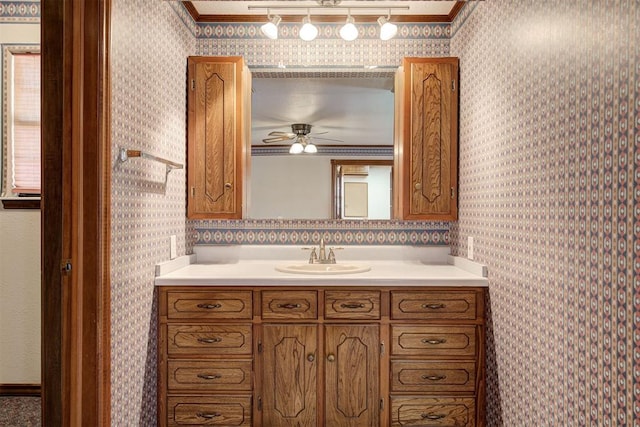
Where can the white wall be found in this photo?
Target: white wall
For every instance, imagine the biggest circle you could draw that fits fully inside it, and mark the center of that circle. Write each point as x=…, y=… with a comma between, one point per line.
x=290, y=186
x=379, y=191
x=19, y=268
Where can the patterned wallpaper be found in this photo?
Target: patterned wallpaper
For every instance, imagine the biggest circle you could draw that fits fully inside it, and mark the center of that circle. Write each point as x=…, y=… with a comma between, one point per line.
x=20, y=11
x=148, y=62
x=550, y=192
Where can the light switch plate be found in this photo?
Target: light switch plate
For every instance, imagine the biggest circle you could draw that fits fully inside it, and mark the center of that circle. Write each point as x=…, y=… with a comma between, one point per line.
x=470, y=247
x=173, y=252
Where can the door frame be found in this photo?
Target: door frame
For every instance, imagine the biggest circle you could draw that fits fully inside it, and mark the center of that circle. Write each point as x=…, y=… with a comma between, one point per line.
x=75, y=284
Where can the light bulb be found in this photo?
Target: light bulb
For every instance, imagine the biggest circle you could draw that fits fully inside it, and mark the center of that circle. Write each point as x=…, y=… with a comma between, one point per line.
x=349, y=32
x=310, y=149
x=296, y=148
x=308, y=31
x=270, y=29
x=387, y=29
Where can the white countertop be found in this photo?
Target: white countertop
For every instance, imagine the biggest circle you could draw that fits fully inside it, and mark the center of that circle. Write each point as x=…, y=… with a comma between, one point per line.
x=395, y=269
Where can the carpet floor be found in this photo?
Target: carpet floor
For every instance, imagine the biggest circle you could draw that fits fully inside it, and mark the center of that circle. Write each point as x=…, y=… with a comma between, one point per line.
x=19, y=411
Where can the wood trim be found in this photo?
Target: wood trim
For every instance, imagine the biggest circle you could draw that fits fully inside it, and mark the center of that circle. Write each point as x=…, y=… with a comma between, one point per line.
x=326, y=19
x=75, y=217
x=21, y=204
x=55, y=131
x=191, y=9
x=20, y=390
x=455, y=10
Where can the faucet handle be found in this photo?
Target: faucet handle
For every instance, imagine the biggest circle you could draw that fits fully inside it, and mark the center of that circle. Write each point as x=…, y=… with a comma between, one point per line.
x=313, y=256
x=332, y=256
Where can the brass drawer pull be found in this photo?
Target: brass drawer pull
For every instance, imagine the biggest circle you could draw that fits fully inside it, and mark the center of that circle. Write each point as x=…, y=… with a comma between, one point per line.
x=208, y=416
x=209, y=306
x=331, y=358
x=434, y=377
x=311, y=357
x=352, y=305
x=433, y=417
x=209, y=340
x=433, y=306
x=289, y=306
x=209, y=377
x=434, y=342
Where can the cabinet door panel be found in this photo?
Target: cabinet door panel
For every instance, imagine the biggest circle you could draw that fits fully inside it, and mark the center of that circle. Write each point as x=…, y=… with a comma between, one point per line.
x=289, y=375
x=352, y=375
x=216, y=136
x=429, y=111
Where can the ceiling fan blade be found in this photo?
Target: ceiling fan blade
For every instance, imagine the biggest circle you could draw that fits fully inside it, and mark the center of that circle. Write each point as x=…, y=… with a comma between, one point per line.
x=327, y=139
x=276, y=139
x=278, y=133
x=318, y=133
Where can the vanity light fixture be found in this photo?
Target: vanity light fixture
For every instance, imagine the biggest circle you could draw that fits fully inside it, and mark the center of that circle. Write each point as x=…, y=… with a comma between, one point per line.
x=308, y=31
x=310, y=148
x=270, y=29
x=349, y=32
x=296, y=148
x=387, y=29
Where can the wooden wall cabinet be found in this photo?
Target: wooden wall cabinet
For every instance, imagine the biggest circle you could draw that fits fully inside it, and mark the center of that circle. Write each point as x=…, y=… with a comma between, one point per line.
x=219, y=137
x=426, y=139
x=321, y=356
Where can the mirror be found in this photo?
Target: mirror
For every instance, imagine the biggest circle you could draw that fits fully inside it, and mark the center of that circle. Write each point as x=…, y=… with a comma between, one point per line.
x=362, y=189
x=351, y=118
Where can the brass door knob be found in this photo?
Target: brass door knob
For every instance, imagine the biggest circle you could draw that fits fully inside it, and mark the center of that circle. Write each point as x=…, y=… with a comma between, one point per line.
x=331, y=358
x=311, y=357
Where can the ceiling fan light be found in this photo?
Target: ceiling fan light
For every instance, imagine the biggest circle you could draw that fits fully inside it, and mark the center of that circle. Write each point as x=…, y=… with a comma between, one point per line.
x=270, y=29
x=308, y=31
x=296, y=148
x=387, y=29
x=349, y=32
x=310, y=149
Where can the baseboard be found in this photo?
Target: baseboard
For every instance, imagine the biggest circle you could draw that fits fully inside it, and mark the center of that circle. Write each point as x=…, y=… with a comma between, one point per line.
x=20, y=389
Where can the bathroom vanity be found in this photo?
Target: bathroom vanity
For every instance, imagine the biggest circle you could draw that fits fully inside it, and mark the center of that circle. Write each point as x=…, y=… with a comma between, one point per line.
x=243, y=344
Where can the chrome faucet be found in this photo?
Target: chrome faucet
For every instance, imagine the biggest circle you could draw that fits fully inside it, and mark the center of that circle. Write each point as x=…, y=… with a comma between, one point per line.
x=320, y=256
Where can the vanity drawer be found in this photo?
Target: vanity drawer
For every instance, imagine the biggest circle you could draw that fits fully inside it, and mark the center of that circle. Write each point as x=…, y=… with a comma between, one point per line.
x=433, y=376
x=351, y=305
x=210, y=411
x=441, y=340
x=289, y=305
x=209, y=375
x=209, y=305
x=208, y=339
x=436, y=411
x=431, y=305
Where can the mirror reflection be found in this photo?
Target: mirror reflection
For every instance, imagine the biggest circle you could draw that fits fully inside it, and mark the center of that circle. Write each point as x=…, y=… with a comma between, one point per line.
x=362, y=189
x=344, y=119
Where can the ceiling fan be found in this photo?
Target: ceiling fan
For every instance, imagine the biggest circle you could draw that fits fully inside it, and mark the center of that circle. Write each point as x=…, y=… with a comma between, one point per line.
x=301, y=136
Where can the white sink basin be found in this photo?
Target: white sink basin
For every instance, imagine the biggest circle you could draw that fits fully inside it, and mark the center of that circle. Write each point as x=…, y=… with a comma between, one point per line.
x=323, y=268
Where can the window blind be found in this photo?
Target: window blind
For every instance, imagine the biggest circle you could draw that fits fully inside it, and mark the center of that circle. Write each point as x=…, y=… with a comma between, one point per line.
x=26, y=123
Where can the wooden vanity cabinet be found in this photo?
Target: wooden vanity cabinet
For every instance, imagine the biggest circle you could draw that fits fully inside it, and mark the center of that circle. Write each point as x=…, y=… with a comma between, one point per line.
x=218, y=137
x=321, y=356
x=426, y=139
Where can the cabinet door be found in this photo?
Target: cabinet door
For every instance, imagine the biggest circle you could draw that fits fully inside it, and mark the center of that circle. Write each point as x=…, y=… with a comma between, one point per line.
x=289, y=375
x=216, y=135
x=429, y=139
x=352, y=360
